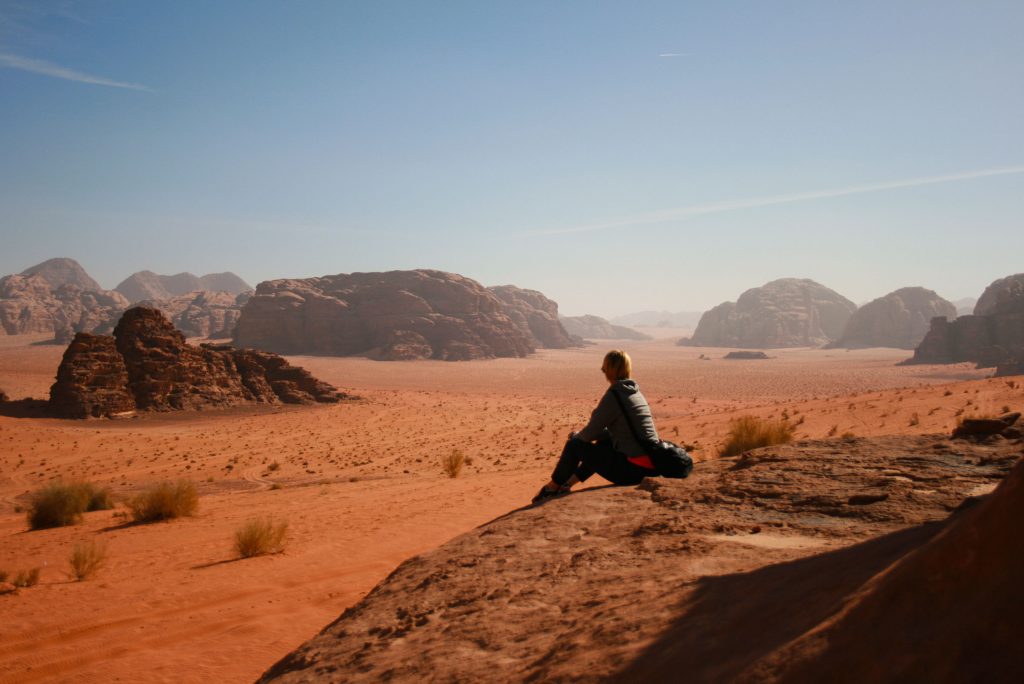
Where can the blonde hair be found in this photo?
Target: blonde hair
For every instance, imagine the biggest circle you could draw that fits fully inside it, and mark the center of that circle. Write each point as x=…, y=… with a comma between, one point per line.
x=619, y=363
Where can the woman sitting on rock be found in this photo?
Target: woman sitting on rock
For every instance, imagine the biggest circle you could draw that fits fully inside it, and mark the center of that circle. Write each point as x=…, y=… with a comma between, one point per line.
x=607, y=445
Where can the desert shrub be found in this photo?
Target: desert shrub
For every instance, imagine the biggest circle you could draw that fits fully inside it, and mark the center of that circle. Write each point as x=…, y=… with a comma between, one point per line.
x=62, y=503
x=914, y=419
x=27, y=578
x=751, y=432
x=86, y=559
x=274, y=466
x=452, y=462
x=4, y=575
x=164, y=501
x=260, y=536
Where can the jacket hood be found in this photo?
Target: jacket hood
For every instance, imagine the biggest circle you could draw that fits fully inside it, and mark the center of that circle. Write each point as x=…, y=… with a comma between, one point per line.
x=626, y=387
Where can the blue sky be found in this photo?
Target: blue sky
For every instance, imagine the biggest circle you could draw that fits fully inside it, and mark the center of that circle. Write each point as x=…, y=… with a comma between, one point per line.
x=617, y=157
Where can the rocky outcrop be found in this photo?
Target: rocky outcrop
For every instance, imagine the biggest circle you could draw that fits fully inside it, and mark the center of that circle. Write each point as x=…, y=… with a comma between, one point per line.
x=145, y=286
x=745, y=355
x=1004, y=296
x=147, y=365
x=900, y=319
x=641, y=584
x=92, y=380
x=535, y=315
x=392, y=315
x=597, y=328
x=203, y=314
x=994, y=338
x=789, y=312
x=30, y=305
x=63, y=271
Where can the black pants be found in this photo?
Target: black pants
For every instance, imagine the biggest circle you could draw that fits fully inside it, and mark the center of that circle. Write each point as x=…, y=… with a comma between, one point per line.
x=583, y=459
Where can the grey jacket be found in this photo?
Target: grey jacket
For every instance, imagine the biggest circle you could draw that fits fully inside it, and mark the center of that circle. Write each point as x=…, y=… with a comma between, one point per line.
x=607, y=420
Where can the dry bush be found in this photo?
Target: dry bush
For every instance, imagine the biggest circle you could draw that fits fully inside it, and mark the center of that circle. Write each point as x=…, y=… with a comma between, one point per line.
x=260, y=536
x=63, y=503
x=751, y=432
x=914, y=419
x=4, y=575
x=27, y=578
x=86, y=559
x=164, y=501
x=453, y=462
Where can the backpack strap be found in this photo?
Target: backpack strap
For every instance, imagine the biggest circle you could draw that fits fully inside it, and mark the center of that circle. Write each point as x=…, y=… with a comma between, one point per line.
x=629, y=422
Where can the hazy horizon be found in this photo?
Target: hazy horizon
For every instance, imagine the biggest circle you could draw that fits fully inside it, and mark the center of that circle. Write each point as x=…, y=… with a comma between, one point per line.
x=660, y=157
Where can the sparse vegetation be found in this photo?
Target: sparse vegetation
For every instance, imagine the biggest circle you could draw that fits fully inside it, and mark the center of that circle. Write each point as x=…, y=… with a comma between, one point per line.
x=260, y=536
x=63, y=503
x=751, y=432
x=1005, y=410
x=27, y=578
x=833, y=430
x=273, y=466
x=847, y=435
x=452, y=462
x=86, y=559
x=914, y=419
x=164, y=501
x=4, y=575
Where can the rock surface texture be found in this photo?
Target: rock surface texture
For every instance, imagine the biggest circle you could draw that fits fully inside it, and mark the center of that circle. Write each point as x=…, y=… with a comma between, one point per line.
x=535, y=315
x=395, y=315
x=29, y=304
x=788, y=563
x=993, y=336
x=202, y=313
x=900, y=319
x=149, y=286
x=789, y=312
x=597, y=328
x=147, y=365
x=63, y=271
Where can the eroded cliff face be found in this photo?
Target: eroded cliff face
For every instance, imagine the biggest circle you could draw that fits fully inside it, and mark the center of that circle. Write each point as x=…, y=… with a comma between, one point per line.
x=535, y=315
x=597, y=328
x=900, y=319
x=148, y=286
x=29, y=304
x=393, y=316
x=788, y=312
x=147, y=365
x=202, y=313
x=995, y=338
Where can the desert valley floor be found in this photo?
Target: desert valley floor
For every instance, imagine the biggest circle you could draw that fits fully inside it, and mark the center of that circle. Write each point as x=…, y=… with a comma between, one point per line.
x=361, y=486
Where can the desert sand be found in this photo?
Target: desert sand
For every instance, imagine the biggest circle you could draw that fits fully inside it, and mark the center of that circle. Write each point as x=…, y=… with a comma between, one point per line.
x=361, y=486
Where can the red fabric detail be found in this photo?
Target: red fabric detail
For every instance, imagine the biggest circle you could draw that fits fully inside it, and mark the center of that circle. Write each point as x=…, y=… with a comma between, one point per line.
x=642, y=461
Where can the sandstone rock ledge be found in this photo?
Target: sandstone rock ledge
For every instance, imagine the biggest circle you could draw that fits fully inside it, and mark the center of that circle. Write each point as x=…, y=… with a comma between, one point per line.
x=147, y=365
x=840, y=560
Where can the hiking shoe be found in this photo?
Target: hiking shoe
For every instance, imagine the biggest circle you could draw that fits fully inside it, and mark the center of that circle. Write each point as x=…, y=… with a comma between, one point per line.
x=544, y=494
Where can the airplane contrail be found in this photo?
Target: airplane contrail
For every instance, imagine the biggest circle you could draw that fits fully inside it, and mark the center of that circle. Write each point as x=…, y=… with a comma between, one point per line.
x=733, y=205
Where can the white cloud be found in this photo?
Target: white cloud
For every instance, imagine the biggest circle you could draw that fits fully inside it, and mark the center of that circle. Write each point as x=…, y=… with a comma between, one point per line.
x=732, y=205
x=673, y=54
x=38, y=66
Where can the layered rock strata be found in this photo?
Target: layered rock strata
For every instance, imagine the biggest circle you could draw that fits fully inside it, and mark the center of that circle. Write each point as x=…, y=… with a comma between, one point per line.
x=900, y=319
x=637, y=584
x=147, y=365
x=994, y=337
x=596, y=328
x=391, y=316
x=535, y=315
x=789, y=312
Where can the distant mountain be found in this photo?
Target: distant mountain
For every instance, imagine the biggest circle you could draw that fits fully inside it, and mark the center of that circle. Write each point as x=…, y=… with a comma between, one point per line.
x=63, y=271
x=659, y=319
x=900, y=319
x=597, y=328
x=149, y=286
x=965, y=306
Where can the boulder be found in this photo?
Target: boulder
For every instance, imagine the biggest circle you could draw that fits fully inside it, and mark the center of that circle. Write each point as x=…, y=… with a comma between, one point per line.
x=900, y=319
x=147, y=365
x=596, y=328
x=746, y=355
x=789, y=312
x=62, y=271
x=391, y=315
x=535, y=315
x=993, y=336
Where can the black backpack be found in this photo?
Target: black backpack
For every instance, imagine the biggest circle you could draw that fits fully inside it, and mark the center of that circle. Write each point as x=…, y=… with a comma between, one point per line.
x=669, y=459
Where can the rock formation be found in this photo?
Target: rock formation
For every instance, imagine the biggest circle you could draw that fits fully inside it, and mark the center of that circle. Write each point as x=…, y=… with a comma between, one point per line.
x=900, y=319
x=660, y=319
x=745, y=355
x=993, y=336
x=535, y=315
x=202, y=314
x=63, y=271
x=29, y=304
x=393, y=315
x=834, y=556
x=147, y=365
x=789, y=312
x=597, y=328
x=148, y=286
